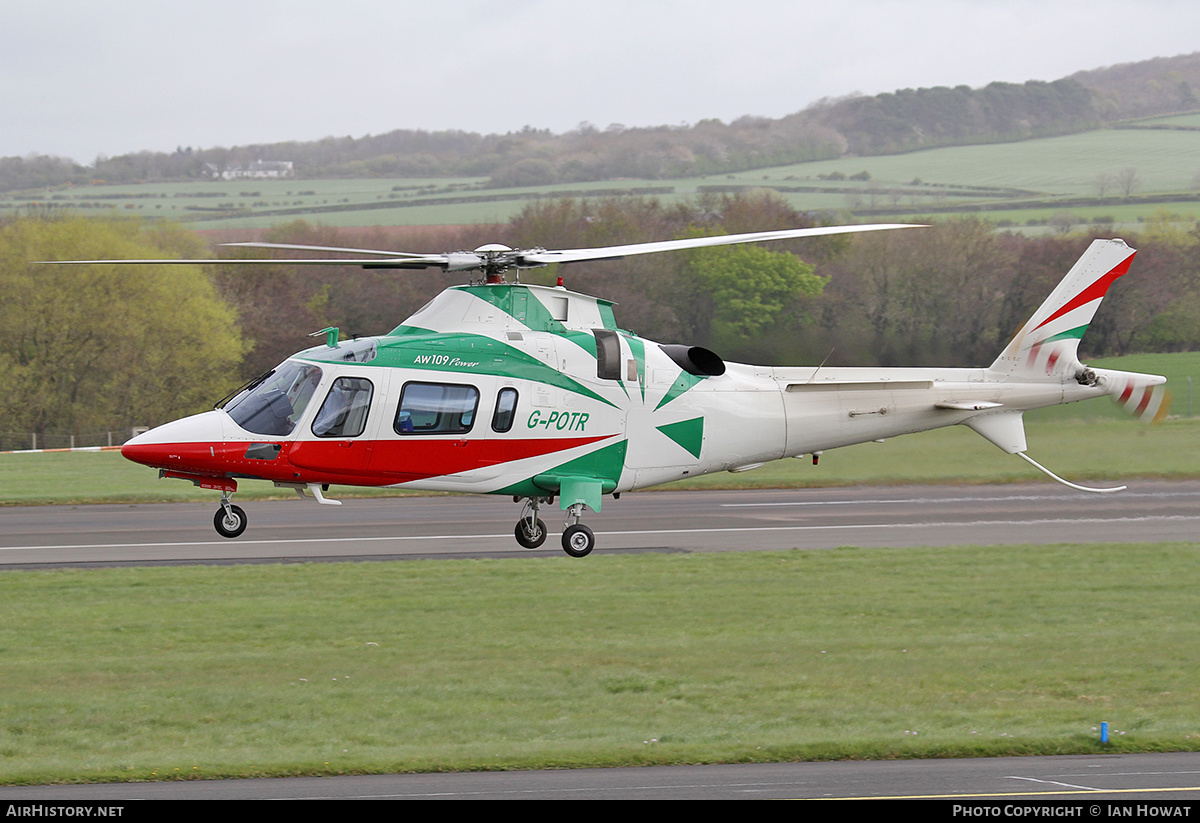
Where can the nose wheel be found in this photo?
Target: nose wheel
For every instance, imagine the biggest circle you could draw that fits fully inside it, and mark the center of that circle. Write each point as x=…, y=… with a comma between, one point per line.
x=230, y=520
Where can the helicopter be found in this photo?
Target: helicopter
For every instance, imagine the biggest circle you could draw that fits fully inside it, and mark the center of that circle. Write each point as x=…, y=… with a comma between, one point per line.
x=505, y=388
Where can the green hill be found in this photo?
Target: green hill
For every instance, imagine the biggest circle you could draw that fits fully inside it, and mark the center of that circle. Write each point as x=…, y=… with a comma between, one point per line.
x=1120, y=176
x=905, y=120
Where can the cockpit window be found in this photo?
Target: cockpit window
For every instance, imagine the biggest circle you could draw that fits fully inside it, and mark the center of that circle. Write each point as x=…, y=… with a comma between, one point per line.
x=344, y=412
x=354, y=351
x=273, y=405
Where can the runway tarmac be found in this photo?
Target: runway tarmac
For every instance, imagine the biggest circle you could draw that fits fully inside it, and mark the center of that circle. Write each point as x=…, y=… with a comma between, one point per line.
x=1165, y=783
x=446, y=527
x=815, y=519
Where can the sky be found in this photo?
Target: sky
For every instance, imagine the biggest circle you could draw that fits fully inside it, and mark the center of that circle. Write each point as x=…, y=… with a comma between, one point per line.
x=82, y=79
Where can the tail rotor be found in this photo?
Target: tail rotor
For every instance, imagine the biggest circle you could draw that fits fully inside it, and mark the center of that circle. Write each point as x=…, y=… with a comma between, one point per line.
x=1143, y=396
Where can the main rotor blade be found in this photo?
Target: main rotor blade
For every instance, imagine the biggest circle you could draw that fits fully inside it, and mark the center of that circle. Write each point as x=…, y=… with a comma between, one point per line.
x=574, y=255
x=497, y=259
x=253, y=261
x=294, y=247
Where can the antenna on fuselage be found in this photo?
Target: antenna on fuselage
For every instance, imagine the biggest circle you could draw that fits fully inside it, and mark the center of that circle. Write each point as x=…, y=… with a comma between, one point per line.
x=813, y=376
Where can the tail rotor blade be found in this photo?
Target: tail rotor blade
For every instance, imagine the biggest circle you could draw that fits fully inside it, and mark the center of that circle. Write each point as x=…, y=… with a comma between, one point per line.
x=1148, y=403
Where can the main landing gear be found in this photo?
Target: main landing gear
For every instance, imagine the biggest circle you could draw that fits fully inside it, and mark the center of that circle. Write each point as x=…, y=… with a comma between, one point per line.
x=530, y=531
x=577, y=539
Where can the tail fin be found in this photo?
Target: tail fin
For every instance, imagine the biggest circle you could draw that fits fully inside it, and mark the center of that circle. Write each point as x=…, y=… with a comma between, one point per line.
x=1048, y=345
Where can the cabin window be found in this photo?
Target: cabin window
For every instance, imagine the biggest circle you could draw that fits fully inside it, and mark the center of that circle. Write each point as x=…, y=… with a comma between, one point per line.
x=506, y=410
x=557, y=306
x=274, y=403
x=608, y=354
x=436, y=408
x=344, y=412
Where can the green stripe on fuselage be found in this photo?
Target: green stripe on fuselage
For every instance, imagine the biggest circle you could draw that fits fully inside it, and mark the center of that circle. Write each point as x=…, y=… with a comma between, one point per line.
x=638, y=348
x=605, y=464
x=468, y=354
x=682, y=383
x=688, y=434
x=522, y=304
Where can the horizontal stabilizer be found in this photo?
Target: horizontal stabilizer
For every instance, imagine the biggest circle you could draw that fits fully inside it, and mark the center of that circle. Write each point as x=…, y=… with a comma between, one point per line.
x=982, y=405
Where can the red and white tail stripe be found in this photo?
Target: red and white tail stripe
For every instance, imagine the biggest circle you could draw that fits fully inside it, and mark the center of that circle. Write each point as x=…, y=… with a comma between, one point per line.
x=1145, y=402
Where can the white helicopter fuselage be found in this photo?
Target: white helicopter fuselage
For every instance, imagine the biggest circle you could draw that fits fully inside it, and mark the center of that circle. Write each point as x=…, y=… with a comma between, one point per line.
x=534, y=392
x=652, y=422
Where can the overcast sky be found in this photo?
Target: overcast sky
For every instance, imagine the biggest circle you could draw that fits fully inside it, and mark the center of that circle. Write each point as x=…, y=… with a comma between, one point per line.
x=81, y=78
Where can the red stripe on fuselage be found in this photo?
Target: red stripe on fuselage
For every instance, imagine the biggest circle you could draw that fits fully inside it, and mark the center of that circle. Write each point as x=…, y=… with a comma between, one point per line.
x=350, y=462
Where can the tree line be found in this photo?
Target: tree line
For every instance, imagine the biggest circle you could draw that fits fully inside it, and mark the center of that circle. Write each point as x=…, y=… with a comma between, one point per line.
x=861, y=125
x=104, y=347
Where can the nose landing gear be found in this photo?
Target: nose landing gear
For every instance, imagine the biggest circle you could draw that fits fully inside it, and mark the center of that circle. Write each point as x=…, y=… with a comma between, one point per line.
x=230, y=520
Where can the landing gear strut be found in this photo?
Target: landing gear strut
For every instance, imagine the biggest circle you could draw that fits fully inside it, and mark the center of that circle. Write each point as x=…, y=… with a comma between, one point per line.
x=530, y=531
x=577, y=539
x=230, y=520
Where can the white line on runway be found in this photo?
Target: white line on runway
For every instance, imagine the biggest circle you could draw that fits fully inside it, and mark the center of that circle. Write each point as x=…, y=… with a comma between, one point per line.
x=1054, y=783
x=508, y=535
x=942, y=500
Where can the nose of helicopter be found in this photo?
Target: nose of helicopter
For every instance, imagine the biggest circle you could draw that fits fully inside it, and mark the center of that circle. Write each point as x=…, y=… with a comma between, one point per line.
x=187, y=444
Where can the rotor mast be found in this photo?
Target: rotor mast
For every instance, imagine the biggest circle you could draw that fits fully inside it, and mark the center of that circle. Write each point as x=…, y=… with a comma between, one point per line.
x=494, y=260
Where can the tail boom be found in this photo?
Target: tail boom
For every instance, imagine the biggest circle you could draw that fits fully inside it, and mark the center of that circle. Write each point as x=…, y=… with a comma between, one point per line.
x=1040, y=367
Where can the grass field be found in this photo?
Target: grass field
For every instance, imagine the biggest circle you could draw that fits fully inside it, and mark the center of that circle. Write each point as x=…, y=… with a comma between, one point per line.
x=1191, y=120
x=1048, y=171
x=185, y=673
x=1165, y=161
x=321, y=669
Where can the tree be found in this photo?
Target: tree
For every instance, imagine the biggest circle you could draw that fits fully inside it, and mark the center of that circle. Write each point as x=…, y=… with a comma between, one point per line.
x=742, y=291
x=660, y=295
x=103, y=346
x=1062, y=222
x=921, y=297
x=1127, y=181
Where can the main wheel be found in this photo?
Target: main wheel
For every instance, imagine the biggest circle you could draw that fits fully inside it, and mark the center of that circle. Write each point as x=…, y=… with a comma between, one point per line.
x=230, y=523
x=578, y=540
x=530, y=538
